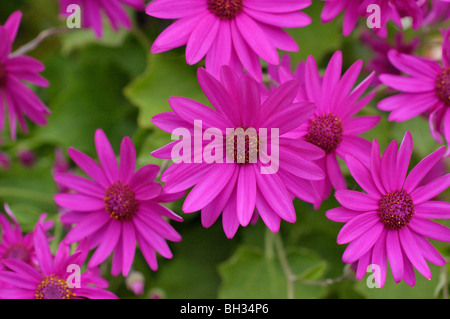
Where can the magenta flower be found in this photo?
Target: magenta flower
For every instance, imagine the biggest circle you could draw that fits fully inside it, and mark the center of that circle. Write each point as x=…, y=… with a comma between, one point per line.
x=235, y=178
x=56, y=276
x=352, y=12
x=390, y=10
x=425, y=90
x=16, y=245
x=16, y=97
x=333, y=127
x=117, y=207
x=380, y=47
x=229, y=32
x=438, y=12
x=92, y=10
x=391, y=218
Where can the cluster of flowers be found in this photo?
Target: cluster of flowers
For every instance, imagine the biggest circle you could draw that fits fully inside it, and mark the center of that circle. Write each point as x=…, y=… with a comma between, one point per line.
x=316, y=118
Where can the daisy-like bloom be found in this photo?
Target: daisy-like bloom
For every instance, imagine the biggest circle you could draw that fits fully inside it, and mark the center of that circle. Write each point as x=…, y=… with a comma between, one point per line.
x=438, y=12
x=390, y=218
x=333, y=127
x=58, y=277
x=425, y=90
x=390, y=10
x=333, y=8
x=117, y=207
x=14, y=244
x=92, y=11
x=380, y=47
x=229, y=32
x=238, y=181
x=15, y=96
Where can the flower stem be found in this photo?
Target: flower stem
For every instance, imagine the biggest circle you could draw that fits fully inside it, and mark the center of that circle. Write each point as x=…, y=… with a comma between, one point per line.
x=33, y=44
x=290, y=277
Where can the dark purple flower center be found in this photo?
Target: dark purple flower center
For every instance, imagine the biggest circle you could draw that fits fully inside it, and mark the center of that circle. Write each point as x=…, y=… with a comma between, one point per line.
x=52, y=287
x=396, y=209
x=443, y=87
x=120, y=201
x=2, y=75
x=18, y=251
x=325, y=131
x=225, y=9
x=242, y=145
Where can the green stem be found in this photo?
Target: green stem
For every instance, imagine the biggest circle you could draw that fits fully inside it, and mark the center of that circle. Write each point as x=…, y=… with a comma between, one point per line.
x=290, y=277
x=33, y=44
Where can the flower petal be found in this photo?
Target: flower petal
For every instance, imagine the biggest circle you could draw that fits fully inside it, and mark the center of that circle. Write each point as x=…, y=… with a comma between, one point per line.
x=395, y=254
x=127, y=160
x=416, y=175
x=356, y=226
x=356, y=200
x=433, y=210
x=208, y=187
x=413, y=252
x=106, y=156
x=429, y=229
x=430, y=190
x=111, y=237
x=358, y=247
x=246, y=194
x=201, y=38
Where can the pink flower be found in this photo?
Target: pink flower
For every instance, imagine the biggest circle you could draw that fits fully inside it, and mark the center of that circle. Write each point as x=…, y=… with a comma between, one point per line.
x=380, y=47
x=16, y=97
x=53, y=279
x=91, y=12
x=227, y=180
x=333, y=127
x=16, y=245
x=426, y=90
x=390, y=10
x=352, y=12
x=438, y=12
x=117, y=207
x=390, y=219
x=229, y=32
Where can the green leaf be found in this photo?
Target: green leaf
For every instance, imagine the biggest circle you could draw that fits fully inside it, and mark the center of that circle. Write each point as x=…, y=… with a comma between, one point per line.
x=192, y=271
x=166, y=75
x=251, y=274
x=86, y=94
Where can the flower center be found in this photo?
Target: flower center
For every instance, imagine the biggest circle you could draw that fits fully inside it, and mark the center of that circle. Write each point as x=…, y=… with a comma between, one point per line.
x=18, y=251
x=325, y=131
x=225, y=9
x=52, y=287
x=242, y=145
x=396, y=209
x=2, y=75
x=443, y=86
x=120, y=201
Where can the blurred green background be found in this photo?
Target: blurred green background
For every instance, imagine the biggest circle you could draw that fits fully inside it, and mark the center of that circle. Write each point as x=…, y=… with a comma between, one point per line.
x=116, y=84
